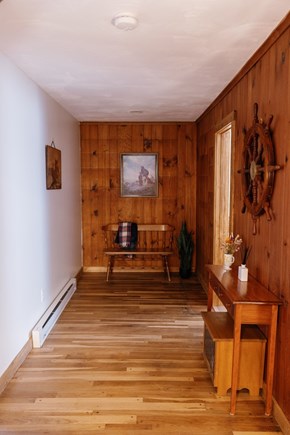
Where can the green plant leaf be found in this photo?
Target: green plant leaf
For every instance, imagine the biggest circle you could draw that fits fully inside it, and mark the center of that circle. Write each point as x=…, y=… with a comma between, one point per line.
x=185, y=246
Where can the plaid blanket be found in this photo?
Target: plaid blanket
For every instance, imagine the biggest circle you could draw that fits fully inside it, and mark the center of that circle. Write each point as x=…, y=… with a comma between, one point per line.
x=127, y=235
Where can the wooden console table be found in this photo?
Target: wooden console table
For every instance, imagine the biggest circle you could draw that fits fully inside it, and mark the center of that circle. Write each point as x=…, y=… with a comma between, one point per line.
x=248, y=303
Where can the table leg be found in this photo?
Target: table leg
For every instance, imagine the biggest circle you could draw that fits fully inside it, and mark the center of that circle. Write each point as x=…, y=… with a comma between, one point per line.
x=236, y=358
x=271, y=359
x=209, y=297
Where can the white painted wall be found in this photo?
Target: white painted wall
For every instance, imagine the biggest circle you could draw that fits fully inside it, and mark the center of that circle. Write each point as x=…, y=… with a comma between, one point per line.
x=40, y=230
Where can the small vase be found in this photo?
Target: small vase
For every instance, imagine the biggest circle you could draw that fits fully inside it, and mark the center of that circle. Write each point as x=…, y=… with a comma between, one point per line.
x=243, y=273
x=228, y=261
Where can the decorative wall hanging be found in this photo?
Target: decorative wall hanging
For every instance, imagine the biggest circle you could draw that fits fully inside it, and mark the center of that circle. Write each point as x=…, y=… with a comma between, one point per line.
x=259, y=169
x=53, y=167
x=139, y=175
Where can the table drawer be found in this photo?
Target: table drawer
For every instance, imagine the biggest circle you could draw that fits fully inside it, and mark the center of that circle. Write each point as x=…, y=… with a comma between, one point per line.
x=219, y=291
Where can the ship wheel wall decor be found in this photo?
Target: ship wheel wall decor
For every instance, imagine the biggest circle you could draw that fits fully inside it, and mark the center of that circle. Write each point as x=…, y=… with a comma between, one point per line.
x=259, y=169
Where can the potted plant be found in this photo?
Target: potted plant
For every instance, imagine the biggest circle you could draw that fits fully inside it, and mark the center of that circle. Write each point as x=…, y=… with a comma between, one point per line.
x=185, y=251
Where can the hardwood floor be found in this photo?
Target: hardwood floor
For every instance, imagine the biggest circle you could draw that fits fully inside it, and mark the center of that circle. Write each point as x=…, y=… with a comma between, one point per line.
x=125, y=358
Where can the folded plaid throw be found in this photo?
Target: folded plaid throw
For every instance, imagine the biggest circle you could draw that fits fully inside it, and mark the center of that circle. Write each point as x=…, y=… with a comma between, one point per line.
x=127, y=235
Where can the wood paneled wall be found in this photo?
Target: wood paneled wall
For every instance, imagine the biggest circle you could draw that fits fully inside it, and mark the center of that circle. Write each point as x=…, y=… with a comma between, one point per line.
x=265, y=79
x=101, y=146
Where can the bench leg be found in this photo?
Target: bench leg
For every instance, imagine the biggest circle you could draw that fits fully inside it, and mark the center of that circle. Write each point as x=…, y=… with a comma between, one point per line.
x=166, y=267
x=110, y=265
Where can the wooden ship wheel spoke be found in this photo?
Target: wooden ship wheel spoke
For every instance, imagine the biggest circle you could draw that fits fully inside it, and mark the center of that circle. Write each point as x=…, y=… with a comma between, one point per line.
x=258, y=170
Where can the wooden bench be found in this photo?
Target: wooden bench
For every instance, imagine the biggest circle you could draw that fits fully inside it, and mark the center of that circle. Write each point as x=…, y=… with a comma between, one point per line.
x=153, y=240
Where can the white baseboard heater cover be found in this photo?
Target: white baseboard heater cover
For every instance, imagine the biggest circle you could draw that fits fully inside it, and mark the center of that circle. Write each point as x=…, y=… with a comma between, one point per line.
x=49, y=318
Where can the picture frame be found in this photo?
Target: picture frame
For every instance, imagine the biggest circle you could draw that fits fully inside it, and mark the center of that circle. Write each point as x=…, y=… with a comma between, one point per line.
x=139, y=175
x=53, y=167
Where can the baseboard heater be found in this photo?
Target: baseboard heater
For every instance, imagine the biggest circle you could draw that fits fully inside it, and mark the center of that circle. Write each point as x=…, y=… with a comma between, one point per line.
x=49, y=318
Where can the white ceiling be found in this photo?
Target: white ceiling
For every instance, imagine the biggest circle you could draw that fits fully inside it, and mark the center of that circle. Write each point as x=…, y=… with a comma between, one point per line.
x=171, y=67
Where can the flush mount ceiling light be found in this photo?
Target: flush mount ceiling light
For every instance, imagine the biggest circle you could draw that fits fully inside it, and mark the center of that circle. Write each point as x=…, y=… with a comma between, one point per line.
x=125, y=21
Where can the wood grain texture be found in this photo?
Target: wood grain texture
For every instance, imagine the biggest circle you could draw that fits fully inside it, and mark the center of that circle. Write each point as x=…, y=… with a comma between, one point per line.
x=101, y=146
x=16, y=363
x=125, y=358
x=265, y=80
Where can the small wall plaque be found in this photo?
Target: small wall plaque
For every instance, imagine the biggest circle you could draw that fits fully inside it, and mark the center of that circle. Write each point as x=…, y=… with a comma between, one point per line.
x=53, y=167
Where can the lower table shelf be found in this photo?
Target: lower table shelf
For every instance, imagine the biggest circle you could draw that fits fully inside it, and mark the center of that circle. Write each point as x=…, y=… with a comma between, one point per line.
x=218, y=351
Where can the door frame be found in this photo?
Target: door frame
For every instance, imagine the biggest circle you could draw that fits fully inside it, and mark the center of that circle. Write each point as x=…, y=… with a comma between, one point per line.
x=226, y=124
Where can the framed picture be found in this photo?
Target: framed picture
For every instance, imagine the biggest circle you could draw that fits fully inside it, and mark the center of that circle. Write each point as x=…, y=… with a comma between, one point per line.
x=53, y=167
x=139, y=175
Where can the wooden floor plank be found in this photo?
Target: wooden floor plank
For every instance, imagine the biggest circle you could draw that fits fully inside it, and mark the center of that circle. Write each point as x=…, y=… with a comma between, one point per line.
x=126, y=358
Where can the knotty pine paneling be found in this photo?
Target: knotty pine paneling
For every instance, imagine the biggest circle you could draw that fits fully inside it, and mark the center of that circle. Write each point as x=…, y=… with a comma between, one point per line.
x=101, y=146
x=266, y=80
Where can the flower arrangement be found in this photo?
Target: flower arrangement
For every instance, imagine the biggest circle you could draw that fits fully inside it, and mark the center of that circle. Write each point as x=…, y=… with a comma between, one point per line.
x=232, y=244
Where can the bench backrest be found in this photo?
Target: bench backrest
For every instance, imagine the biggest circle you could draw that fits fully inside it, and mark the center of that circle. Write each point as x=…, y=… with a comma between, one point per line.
x=155, y=236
